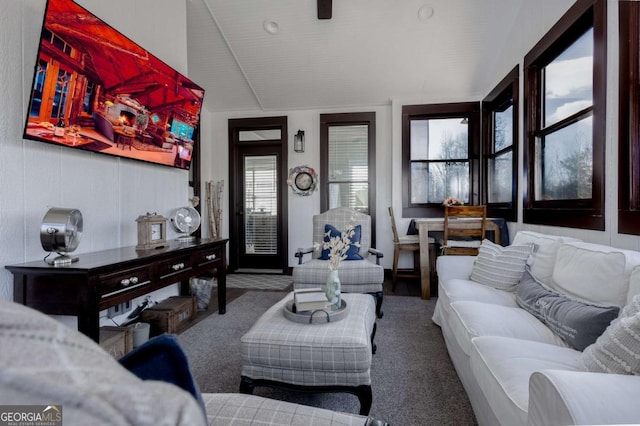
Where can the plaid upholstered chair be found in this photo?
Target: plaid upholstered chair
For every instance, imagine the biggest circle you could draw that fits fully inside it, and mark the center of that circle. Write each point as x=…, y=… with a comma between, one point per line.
x=364, y=275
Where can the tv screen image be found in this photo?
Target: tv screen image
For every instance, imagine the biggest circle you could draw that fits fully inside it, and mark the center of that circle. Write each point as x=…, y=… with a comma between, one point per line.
x=95, y=89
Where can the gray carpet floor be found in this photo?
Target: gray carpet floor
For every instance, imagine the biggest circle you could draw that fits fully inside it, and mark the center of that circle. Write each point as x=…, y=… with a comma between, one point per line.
x=413, y=380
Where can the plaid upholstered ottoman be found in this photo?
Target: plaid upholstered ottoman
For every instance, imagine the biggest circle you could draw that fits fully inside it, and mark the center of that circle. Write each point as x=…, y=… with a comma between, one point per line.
x=325, y=357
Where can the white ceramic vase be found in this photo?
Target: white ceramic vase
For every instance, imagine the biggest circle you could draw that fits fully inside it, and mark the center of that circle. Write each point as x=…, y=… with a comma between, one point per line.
x=332, y=289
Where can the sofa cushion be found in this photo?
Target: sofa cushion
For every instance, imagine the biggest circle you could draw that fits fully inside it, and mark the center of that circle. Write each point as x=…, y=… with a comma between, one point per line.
x=451, y=267
x=578, y=323
x=592, y=272
x=473, y=319
x=618, y=349
x=544, y=254
x=500, y=267
x=502, y=367
x=330, y=232
x=456, y=289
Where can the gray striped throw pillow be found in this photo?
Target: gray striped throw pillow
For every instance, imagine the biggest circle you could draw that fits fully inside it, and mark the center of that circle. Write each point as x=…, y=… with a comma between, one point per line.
x=500, y=267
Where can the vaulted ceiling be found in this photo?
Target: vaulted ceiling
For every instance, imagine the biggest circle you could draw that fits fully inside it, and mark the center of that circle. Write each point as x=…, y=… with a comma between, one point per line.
x=276, y=55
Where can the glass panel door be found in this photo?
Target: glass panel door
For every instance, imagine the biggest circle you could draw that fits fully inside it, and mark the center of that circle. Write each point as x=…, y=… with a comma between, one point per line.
x=260, y=205
x=257, y=196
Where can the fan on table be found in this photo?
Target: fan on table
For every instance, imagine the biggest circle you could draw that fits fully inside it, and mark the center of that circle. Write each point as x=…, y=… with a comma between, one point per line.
x=185, y=220
x=60, y=232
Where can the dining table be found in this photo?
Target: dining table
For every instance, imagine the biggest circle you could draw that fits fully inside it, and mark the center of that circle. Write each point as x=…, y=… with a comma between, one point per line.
x=426, y=225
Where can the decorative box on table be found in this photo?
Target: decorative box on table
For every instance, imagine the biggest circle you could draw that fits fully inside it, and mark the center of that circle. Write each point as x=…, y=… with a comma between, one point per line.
x=171, y=315
x=118, y=341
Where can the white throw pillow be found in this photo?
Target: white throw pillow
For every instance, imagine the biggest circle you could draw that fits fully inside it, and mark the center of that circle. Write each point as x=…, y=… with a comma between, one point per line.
x=591, y=272
x=544, y=254
x=617, y=350
x=500, y=267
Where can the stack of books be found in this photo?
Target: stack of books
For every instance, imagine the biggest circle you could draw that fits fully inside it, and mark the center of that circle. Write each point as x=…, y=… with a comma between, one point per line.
x=309, y=299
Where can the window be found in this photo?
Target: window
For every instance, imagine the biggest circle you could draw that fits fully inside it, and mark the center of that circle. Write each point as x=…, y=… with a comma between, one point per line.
x=440, y=153
x=565, y=121
x=629, y=127
x=181, y=129
x=51, y=91
x=89, y=96
x=58, y=43
x=500, y=148
x=347, y=155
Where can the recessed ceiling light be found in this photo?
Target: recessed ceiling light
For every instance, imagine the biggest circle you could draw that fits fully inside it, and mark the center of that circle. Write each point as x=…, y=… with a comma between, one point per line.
x=271, y=27
x=425, y=12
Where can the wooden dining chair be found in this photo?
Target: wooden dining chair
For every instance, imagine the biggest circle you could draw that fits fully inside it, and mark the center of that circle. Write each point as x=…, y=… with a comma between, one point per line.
x=407, y=243
x=464, y=229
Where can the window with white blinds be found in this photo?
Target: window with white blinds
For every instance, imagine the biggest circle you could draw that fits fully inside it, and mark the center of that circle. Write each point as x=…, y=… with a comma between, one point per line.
x=261, y=204
x=348, y=167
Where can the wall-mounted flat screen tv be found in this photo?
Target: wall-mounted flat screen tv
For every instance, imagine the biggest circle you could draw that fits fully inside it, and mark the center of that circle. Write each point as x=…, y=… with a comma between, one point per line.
x=96, y=90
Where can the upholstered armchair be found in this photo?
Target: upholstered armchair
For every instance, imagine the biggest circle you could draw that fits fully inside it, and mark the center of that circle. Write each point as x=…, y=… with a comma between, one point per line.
x=364, y=275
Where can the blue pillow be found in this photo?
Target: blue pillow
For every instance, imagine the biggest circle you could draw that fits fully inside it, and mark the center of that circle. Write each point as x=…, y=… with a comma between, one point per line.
x=352, y=253
x=162, y=358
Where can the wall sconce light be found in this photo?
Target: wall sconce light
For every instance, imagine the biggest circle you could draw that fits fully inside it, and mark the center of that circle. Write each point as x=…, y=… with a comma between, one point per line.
x=298, y=141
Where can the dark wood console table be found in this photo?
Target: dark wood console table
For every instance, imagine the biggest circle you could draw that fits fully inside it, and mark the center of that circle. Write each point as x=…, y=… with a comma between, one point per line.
x=106, y=278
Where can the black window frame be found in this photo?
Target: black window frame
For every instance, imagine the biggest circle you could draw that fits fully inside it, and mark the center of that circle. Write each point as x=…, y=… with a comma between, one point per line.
x=629, y=119
x=463, y=110
x=505, y=94
x=579, y=213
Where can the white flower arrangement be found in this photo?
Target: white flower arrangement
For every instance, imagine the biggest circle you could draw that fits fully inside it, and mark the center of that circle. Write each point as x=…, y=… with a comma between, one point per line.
x=338, y=245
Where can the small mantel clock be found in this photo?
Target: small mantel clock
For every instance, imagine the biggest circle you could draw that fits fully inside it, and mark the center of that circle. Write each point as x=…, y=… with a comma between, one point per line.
x=152, y=231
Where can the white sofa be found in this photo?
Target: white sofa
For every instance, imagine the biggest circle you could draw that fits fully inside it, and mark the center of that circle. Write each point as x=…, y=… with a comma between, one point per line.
x=514, y=368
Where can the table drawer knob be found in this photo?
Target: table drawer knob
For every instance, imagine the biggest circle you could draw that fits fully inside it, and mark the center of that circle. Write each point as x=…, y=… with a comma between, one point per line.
x=210, y=257
x=177, y=266
x=125, y=282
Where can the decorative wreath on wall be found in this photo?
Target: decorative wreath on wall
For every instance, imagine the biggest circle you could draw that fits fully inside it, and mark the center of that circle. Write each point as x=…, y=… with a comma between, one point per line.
x=303, y=180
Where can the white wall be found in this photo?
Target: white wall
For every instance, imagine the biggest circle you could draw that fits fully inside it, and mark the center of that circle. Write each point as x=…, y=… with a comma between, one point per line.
x=34, y=176
x=301, y=209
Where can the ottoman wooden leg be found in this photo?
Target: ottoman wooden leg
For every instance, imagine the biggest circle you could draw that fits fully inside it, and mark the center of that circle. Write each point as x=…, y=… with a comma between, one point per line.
x=246, y=385
x=365, y=396
x=379, y=296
